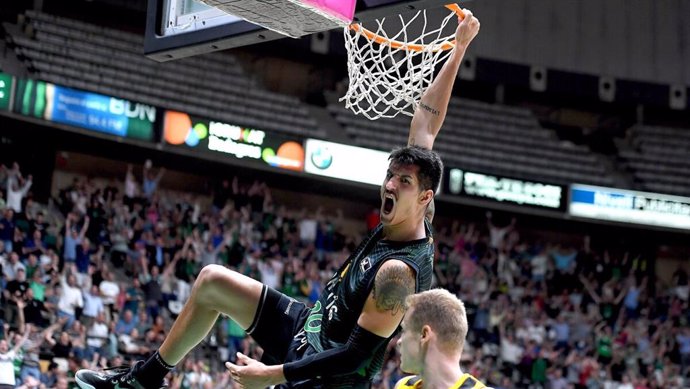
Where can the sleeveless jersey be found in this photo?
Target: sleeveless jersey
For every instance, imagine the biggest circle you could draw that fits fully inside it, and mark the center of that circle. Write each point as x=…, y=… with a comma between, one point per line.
x=335, y=314
x=466, y=381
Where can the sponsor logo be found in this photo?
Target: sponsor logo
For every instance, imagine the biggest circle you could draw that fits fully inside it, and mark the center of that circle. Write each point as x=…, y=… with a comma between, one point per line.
x=322, y=158
x=365, y=264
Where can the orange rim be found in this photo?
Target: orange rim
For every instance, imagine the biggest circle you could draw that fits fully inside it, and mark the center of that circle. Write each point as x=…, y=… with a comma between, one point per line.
x=403, y=45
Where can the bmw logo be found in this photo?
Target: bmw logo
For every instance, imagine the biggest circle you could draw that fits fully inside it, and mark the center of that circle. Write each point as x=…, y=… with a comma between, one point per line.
x=322, y=158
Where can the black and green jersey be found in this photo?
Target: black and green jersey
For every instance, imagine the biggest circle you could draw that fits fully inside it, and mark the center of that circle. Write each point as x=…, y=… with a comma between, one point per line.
x=335, y=315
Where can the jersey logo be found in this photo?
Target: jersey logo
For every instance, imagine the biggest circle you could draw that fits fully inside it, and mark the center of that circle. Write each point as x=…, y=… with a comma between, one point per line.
x=287, y=310
x=313, y=322
x=365, y=264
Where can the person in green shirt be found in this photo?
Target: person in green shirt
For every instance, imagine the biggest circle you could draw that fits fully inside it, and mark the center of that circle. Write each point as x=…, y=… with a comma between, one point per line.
x=539, y=367
x=32, y=266
x=291, y=282
x=38, y=286
x=604, y=343
x=235, y=337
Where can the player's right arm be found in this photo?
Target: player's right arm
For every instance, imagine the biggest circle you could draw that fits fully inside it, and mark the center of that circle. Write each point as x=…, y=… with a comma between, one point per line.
x=433, y=106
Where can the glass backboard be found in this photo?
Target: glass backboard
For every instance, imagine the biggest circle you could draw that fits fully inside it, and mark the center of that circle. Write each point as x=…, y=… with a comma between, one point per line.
x=183, y=28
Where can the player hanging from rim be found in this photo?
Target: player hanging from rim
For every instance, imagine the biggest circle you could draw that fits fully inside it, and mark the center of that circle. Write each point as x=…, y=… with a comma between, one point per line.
x=341, y=341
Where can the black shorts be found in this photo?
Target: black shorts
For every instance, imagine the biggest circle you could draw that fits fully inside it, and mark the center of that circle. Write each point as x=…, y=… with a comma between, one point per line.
x=279, y=329
x=278, y=320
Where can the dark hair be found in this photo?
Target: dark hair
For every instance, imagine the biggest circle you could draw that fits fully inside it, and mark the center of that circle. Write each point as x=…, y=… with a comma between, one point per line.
x=428, y=161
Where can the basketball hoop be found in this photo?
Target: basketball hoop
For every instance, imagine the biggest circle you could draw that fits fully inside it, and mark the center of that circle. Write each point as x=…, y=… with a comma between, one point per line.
x=389, y=74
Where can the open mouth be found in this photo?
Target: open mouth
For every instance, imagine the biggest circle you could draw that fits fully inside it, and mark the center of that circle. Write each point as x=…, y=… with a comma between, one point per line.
x=388, y=203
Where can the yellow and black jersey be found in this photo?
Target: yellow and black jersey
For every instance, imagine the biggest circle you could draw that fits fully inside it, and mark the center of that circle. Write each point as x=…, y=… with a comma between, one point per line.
x=466, y=381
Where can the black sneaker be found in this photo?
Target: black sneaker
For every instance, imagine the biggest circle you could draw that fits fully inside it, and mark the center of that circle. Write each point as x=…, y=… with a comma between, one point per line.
x=121, y=377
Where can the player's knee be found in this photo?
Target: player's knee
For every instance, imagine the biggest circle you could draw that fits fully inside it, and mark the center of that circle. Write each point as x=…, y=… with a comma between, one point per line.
x=218, y=288
x=211, y=275
x=210, y=279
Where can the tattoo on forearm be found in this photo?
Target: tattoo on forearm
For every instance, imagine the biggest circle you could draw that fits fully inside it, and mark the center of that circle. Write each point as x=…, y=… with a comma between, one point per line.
x=391, y=288
x=433, y=111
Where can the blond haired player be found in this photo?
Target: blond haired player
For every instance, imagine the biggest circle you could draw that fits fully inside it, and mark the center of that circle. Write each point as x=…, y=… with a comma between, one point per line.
x=431, y=342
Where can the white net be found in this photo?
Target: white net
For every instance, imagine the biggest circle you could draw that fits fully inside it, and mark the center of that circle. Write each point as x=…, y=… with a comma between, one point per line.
x=388, y=73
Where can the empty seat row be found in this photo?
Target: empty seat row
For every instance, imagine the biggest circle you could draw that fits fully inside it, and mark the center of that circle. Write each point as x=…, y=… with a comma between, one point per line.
x=658, y=158
x=496, y=145
x=97, y=58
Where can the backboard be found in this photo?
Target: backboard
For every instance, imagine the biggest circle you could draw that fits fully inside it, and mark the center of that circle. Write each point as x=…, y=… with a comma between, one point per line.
x=183, y=28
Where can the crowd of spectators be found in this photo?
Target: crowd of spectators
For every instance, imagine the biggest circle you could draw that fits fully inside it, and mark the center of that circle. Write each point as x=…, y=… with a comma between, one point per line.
x=96, y=280
x=549, y=315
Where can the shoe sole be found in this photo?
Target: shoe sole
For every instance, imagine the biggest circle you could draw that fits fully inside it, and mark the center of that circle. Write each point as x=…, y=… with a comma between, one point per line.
x=82, y=384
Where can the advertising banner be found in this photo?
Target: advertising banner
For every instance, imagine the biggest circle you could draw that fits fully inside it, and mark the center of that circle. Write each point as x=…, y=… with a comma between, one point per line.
x=503, y=189
x=629, y=206
x=87, y=110
x=5, y=91
x=182, y=129
x=346, y=162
